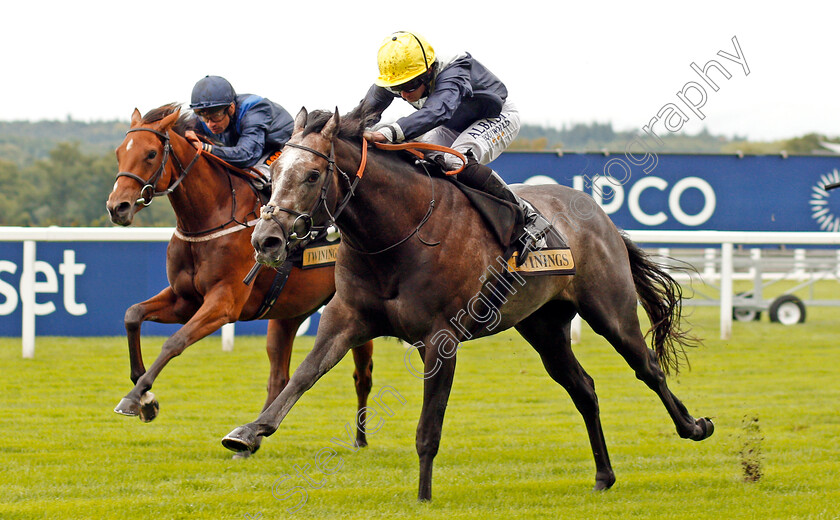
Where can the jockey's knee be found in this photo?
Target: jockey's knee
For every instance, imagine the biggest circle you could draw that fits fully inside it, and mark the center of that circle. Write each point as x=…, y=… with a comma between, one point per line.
x=474, y=175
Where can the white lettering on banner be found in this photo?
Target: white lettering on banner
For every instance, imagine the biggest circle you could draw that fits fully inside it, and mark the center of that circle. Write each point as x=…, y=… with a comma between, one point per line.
x=612, y=200
x=7, y=290
x=69, y=269
x=708, y=195
x=50, y=285
x=636, y=208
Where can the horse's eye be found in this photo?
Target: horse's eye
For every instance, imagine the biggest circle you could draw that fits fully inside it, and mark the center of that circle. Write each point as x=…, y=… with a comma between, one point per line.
x=151, y=155
x=313, y=177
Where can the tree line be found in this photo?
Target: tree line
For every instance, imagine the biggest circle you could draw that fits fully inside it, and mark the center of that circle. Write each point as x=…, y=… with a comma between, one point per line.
x=61, y=172
x=67, y=188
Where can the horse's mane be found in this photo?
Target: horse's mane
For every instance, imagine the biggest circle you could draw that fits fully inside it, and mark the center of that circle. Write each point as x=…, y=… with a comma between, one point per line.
x=186, y=121
x=351, y=126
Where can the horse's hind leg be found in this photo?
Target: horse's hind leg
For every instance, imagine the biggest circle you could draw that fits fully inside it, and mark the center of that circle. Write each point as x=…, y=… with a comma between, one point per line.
x=553, y=343
x=279, y=339
x=439, y=372
x=614, y=316
x=363, y=378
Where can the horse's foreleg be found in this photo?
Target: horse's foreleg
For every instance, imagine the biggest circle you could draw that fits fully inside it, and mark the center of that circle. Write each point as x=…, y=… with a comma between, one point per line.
x=161, y=309
x=280, y=338
x=363, y=378
x=209, y=318
x=336, y=335
x=439, y=373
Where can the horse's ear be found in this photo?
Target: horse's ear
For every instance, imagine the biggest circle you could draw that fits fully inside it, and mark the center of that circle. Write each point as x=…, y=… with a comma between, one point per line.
x=167, y=122
x=300, y=120
x=331, y=128
x=136, y=118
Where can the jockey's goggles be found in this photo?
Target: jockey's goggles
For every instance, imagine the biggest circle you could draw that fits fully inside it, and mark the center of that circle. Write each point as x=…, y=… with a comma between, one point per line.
x=212, y=115
x=408, y=87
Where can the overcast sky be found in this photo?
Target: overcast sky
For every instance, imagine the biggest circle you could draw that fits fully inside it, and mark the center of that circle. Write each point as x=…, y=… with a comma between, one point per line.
x=563, y=63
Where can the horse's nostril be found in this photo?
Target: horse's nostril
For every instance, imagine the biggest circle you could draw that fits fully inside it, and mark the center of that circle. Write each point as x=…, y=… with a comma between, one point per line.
x=270, y=243
x=120, y=213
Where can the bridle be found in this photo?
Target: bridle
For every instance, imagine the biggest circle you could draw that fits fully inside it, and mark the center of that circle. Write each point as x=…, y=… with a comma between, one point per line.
x=148, y=191
x=302, y=228
x=270, y=212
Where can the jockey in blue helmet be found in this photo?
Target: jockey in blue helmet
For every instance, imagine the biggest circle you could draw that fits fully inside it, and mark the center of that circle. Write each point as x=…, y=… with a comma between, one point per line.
x=250, y=128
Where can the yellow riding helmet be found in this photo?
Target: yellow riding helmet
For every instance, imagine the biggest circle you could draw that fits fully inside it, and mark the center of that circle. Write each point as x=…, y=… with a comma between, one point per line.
x=402, y=57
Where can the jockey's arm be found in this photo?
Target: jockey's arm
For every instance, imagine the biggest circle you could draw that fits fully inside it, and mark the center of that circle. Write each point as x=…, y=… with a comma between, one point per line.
x=251, y=143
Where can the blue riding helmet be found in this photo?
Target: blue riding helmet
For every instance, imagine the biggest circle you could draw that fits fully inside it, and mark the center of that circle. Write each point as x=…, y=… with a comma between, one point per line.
x=212, y=91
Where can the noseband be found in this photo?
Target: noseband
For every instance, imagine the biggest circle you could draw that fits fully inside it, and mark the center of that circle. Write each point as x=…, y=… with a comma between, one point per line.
x=148, y=192
x=296, y=235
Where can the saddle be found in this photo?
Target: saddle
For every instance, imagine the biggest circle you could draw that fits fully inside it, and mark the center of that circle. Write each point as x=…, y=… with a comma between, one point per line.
x=552, y=255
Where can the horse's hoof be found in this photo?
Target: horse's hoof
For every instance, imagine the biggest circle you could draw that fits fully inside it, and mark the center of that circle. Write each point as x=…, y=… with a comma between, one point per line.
x=245, y=454
x=128, y=407
x=604, y=483
x=239, y=455
x=241, y=439
x=149, y=407
x=707, y=428
x=361, y=442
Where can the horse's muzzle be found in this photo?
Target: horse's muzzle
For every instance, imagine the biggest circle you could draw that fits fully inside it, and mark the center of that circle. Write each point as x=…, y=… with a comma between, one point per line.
x=121, y=214
x=269, y=244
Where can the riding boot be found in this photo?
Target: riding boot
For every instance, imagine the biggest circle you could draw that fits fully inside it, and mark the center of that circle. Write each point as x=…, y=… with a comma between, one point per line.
x=487, y=180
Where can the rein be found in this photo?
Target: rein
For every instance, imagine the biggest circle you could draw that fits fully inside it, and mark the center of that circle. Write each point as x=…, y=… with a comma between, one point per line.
x=149, y=185
x=246, y=173
x=271, y=212
x=148, y=192
x=414, y=149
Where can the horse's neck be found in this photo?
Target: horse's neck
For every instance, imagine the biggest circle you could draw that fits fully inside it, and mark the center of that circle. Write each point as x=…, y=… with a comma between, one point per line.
x=389, y=202
x=203, y=199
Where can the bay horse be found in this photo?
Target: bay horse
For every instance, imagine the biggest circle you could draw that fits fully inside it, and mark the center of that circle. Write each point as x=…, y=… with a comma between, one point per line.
x=207, y=259
x=417, y=262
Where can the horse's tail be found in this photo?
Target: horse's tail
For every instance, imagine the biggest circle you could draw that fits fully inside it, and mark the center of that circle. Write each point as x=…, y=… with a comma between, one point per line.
x=661, y=297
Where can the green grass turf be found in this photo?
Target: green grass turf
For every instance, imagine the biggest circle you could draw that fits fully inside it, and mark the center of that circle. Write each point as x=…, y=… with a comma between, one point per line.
x=513, y=445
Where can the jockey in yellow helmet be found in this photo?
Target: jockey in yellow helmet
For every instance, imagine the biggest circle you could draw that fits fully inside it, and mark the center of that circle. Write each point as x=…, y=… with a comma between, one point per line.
x=459, y=104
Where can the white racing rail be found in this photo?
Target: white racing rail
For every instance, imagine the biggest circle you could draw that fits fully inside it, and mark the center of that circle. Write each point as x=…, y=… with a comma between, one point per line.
x=30, y=236
x=726, y=240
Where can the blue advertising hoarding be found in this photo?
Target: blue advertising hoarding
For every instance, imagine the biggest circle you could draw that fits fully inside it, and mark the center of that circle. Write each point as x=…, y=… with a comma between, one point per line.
x=84, y=288
x=692, y=192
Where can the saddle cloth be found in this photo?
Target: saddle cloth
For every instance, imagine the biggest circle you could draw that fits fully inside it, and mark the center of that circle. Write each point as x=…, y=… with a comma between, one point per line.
x=320, y=252
x=550, y=256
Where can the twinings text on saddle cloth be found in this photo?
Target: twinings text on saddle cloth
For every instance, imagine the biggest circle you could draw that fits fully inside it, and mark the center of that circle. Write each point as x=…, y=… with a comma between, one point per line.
x=319, y=256
x=545, y=261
